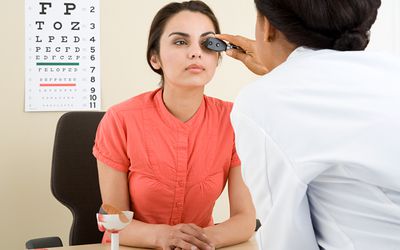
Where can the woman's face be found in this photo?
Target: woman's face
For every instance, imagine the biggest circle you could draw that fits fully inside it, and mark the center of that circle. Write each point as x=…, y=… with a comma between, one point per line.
x=185, y=62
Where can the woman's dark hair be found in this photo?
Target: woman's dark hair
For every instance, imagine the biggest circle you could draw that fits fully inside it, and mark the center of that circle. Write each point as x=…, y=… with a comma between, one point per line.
x=163, y=16
x=322, y=24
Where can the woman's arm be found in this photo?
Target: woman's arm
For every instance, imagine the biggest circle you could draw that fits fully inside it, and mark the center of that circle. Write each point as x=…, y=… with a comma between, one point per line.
x=115, y=191
x=242, y=222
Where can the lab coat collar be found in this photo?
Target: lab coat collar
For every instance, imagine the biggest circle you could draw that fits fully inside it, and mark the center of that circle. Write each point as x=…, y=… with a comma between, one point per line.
x=300, y=52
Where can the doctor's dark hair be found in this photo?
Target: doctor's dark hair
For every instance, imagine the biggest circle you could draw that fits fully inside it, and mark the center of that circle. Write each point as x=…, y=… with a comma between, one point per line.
x=322, y=24
x=164, y=15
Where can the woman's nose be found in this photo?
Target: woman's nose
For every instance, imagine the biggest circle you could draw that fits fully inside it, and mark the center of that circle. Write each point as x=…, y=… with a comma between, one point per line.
x=195, y=52
x=196, y=55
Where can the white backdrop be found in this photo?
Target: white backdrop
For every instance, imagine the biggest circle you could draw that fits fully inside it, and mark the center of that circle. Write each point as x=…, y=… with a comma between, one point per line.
x=385, y=33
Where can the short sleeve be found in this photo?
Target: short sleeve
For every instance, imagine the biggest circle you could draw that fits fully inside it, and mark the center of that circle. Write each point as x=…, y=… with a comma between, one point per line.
x=110, y=143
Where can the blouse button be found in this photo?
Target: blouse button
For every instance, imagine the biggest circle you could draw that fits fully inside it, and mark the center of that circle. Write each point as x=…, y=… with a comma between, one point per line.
x=179, y=204
x=181, y=183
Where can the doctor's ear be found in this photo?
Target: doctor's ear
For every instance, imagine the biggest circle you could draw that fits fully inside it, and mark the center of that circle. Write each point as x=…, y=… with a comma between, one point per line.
x=269, y=30
x=155, y=62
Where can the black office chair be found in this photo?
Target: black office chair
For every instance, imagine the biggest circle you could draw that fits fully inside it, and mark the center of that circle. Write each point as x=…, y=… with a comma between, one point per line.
x=74, y=178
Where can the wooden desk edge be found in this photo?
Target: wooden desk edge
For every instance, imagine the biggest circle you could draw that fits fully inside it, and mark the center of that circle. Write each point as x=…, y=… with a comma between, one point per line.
x=248, y=245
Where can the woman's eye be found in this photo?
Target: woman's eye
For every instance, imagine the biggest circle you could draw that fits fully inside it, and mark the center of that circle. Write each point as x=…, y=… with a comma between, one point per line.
x=204, y=46
x=180, y=42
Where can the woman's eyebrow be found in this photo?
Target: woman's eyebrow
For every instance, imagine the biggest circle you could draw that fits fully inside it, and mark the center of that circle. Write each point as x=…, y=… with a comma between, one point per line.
x=179, y=34
x=208, y=33
x=187, y=35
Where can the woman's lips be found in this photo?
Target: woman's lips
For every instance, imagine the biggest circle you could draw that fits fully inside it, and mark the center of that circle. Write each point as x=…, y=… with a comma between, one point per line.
x=195, y=68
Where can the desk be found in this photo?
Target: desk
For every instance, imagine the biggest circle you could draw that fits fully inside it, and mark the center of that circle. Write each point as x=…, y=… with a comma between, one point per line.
x=248, y=245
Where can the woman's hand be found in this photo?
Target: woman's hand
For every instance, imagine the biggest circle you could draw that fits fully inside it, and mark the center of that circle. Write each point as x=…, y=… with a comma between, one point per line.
x=183, y=237
x=248, y=56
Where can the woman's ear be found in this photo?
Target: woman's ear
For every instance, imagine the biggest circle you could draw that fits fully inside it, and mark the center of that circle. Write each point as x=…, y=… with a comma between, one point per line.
x=155, y=62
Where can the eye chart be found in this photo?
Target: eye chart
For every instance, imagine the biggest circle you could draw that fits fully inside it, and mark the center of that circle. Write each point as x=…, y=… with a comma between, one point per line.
x=62, y=45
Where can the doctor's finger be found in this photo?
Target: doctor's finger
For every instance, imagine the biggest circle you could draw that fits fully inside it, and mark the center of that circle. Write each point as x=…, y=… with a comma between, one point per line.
x=249, y=61
x=238, y=55
x=241, y=41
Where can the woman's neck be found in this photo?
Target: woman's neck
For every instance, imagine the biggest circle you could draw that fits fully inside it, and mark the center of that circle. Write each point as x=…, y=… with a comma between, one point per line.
x=182, y=103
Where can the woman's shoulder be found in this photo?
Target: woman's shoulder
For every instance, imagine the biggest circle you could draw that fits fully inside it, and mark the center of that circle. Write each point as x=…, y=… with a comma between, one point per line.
x=216, y=103
x=138, y=102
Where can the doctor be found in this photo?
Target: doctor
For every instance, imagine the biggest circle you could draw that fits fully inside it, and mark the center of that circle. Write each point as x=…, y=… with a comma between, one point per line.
x=319, y=133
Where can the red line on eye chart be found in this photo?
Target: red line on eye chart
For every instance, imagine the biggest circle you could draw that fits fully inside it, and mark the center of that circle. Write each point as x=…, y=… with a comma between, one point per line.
x=57, y=84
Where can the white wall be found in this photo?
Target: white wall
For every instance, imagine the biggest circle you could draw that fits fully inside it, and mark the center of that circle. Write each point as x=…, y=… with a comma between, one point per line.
x=385, y=33
x=27, y=207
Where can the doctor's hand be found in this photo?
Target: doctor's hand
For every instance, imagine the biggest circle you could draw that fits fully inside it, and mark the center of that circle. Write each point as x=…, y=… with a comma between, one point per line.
x=248, y=56
x=183, y=237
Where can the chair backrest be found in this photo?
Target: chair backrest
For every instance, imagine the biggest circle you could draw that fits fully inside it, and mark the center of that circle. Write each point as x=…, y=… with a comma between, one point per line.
x=74, y=178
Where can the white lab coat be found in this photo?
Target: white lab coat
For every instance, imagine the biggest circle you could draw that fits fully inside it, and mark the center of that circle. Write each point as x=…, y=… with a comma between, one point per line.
x=319, y=140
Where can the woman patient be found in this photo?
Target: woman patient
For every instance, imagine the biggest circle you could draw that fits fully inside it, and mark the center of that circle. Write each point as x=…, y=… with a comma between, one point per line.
x=167, y=154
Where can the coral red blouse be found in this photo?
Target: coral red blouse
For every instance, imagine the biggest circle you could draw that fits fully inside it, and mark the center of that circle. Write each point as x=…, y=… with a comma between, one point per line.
x=177, y=170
